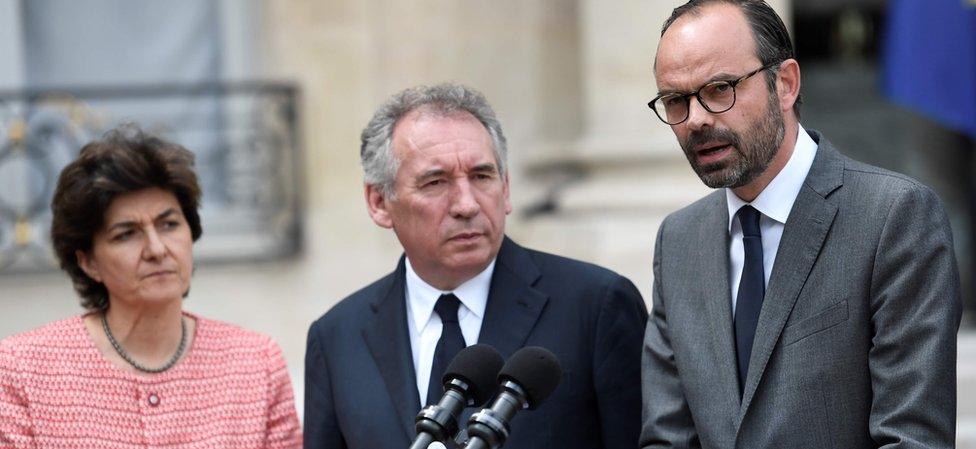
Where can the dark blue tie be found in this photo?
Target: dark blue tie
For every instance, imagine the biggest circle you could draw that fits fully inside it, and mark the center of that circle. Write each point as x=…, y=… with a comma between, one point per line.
x=450, y=343
x=752, y=288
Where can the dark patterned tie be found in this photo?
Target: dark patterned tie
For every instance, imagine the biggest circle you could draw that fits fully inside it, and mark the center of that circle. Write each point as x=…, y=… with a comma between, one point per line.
x=752, y=288
x=450, y=343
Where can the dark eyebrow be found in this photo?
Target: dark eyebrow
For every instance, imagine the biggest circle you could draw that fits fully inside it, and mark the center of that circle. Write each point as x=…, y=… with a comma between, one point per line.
x=165, y=214
x=129, y=223
x=486, y=167
x=662, y=93
x=122, y=225
x=722, y=76
x=432, y=173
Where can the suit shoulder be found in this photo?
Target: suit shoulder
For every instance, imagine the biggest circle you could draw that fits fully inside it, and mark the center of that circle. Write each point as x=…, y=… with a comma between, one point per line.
x=880, y=178
x=349, y=309
x=220, y=335
x=583, y=286
x=51, y=340
x=696, y=212
x=878, y=187
x=572, y=269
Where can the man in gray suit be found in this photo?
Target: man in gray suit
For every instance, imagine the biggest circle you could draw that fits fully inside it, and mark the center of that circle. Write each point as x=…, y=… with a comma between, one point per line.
x=812, y=300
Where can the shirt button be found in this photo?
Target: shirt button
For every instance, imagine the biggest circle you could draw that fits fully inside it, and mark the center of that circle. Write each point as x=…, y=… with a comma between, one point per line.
x=153, y=399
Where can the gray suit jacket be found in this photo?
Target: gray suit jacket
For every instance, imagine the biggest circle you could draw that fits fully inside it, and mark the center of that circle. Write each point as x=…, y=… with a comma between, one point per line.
x=856, y=341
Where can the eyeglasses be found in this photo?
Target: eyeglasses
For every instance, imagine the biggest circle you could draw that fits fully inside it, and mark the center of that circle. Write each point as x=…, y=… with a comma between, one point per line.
x=716, y=97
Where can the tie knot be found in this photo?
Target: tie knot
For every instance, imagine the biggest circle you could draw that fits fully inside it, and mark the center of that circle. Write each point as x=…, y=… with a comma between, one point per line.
x=749, y=220
x=447, y=308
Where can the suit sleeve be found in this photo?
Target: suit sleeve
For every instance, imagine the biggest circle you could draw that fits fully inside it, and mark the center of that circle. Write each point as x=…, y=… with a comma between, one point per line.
x=915, y=313
x=620, y=326
x=667, y=421
x=321, y=422
x=16, y=428
x=283, y=430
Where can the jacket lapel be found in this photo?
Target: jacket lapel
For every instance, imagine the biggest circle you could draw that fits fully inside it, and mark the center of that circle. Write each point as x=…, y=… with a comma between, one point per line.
x=389, y=342
x=803, y=237
x=513, y=305
x=714, y=293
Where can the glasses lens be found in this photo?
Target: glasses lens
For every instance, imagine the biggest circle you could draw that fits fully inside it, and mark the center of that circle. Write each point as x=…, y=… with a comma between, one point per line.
x=718, y=96
x=672, y=109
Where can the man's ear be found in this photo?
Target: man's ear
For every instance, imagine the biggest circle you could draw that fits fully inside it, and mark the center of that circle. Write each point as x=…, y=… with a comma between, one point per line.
x=88, y=265
x=378, y=205
x=788, y=84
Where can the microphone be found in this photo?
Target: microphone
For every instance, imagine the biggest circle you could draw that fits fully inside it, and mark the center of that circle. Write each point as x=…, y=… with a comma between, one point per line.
x=469, y=380
x=526, y=380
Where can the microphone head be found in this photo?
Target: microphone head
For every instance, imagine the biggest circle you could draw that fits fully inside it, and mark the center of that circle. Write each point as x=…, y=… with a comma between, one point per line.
x=478, y=366
x=536, y=370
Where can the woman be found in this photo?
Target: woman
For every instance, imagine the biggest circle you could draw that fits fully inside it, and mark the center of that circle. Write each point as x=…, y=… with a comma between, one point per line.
x=136, y=370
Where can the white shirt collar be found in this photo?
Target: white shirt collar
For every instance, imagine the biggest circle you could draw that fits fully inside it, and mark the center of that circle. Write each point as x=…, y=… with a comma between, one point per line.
x=776, y=200
x=421, y=296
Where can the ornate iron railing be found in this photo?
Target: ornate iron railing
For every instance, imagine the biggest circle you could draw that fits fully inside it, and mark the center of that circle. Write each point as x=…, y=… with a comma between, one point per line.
x=245, y=137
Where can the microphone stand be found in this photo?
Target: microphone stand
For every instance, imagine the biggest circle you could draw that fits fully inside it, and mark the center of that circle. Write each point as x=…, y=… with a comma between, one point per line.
x=437, y=422
x=489, y=428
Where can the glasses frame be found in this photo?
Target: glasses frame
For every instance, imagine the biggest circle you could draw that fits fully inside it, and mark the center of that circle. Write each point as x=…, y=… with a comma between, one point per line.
x=687, y=97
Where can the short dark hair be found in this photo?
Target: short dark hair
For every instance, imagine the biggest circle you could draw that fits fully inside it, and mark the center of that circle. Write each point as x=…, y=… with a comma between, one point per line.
x=125, y=160
x=773, y=42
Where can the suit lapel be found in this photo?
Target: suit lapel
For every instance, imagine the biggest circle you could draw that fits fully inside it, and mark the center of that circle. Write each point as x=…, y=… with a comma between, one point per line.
x=389, y=342
x=714, y=285
x=513, y=305
x=803, y=237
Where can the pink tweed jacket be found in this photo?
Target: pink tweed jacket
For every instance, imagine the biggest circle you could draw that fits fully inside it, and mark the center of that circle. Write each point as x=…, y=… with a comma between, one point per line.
x=231, y=390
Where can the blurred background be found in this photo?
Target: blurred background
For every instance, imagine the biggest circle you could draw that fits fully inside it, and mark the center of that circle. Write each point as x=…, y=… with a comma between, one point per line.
x=271, y=96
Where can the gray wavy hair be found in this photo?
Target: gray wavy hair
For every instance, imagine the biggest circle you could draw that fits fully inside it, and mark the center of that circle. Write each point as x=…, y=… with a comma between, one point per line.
x=376, y=151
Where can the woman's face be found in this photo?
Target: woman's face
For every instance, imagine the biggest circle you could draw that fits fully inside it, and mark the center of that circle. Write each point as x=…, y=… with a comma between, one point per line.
x=144, y=252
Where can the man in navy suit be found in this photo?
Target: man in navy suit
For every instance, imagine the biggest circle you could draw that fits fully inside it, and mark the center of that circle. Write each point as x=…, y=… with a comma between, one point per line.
x=435, y=173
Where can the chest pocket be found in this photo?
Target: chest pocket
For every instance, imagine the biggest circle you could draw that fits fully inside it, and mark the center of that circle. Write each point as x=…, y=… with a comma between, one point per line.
x=820, y=322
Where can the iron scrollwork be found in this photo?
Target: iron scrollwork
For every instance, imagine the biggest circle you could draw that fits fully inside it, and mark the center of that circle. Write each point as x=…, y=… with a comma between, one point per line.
x=244, y=135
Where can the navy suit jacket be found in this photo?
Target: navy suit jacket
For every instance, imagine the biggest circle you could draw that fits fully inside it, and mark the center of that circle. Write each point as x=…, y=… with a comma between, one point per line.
x=360, y=387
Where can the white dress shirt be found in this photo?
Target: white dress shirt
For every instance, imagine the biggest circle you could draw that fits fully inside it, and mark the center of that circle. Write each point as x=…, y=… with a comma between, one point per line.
x=425, y=326
x=774, y=204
